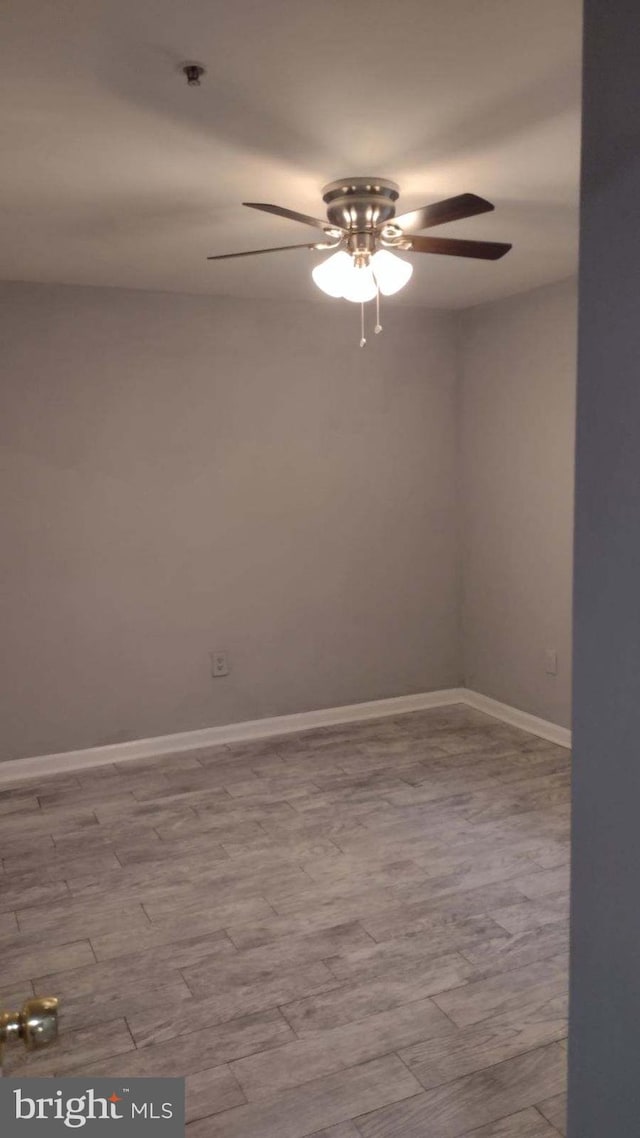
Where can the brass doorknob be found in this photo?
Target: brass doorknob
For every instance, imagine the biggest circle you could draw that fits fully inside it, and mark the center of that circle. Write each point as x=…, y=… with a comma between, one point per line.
x=36, y=1024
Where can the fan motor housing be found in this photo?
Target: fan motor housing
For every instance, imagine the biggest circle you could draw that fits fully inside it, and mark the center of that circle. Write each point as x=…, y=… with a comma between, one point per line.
x=360, y=204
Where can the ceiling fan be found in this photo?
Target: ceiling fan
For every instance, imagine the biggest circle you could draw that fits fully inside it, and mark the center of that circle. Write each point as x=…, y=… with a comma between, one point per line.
x=364, y=235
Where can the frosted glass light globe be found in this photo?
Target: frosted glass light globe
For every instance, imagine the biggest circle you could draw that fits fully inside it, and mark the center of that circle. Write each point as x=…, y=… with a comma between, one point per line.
x=390, y=271
x=340, y=276
x=359, y=285
x=330, y=275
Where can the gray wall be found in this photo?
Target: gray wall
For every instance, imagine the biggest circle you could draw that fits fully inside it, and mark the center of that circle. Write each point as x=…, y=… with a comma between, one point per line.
x=182, y=474
x=604, y=1094
x=517, y=406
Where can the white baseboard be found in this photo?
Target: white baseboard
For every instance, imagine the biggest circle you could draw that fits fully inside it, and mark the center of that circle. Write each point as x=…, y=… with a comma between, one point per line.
x=45, y=765
x=552, y=732
x=228, y=733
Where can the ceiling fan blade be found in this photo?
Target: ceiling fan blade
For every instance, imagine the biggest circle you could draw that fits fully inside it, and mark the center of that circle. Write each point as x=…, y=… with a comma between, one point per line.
x=256, y=252
x=453, y=247
x=280, y=211
x=451, y=209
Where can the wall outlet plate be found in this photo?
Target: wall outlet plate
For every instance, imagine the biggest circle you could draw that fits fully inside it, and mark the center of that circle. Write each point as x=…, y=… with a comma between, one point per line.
x=551, y=662
x=220, y=664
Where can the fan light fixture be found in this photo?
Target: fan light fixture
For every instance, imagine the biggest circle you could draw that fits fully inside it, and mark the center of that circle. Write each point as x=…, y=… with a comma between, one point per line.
x=362, y=232
x=358, y=276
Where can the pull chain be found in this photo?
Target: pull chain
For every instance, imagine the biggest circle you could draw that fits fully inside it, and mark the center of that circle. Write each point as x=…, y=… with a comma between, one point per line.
x=378, y=327
x=363, y=338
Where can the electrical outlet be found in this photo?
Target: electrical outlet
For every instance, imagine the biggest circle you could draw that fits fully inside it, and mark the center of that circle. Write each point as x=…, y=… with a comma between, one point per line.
x=551, y=662
x=220, y=665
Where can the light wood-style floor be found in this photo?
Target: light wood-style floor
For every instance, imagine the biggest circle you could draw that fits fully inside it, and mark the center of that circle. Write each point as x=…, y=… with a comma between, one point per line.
x=359, y=932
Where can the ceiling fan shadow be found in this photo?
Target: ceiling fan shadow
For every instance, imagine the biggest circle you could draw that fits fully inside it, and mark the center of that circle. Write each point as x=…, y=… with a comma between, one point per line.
x=149, y=77
x=497, y=123
x=156, y=215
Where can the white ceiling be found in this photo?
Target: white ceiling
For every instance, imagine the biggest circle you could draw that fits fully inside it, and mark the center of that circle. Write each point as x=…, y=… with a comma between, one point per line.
x=117, y=173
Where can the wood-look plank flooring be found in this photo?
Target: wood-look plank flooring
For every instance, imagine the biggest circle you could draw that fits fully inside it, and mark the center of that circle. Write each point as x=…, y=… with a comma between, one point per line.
x=356, y=932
